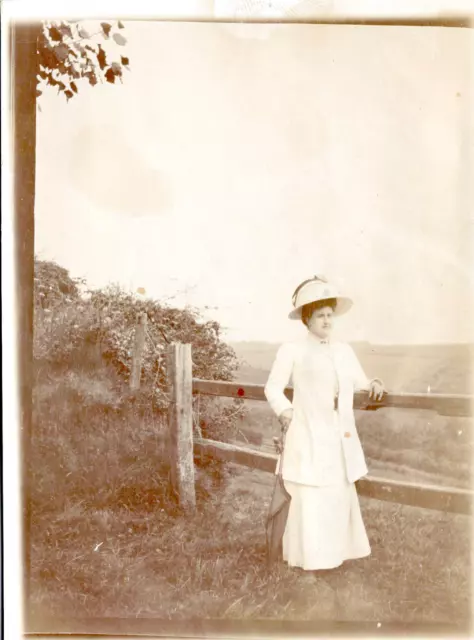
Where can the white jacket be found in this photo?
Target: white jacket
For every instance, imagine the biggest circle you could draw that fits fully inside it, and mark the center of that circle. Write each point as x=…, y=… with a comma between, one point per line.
x=319, y=373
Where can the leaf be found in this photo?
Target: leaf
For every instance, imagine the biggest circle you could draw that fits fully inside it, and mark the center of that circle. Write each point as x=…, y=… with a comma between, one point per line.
x=55, y=34
x=106, y=28
x=83, y=33
x=47, y=59
x=102, y=58
x=110, y=75
x=92, y=78
x=119, y=39
x=125, y=61
x=68, y=94
x=61, y=67
x=65, y=29
x=120, y=25
x=116, y=68
x=74, y=87
x=38, y=93
x=61, y=51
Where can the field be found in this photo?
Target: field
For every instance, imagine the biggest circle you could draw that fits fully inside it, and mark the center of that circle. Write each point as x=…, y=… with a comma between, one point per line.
x=414, y=368
x=401, y=444
x=108, y=540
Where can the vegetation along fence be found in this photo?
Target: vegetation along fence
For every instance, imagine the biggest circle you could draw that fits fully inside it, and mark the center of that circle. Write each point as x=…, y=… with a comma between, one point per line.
x=183, y=446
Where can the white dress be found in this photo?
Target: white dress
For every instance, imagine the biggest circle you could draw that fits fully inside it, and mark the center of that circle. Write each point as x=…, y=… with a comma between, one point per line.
x=324, y=526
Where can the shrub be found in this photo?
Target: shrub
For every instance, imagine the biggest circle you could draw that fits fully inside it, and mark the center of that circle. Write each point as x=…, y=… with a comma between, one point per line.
x=92, y=437
x=66, y=321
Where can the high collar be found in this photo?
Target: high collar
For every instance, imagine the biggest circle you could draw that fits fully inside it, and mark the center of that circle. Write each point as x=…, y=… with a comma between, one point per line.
x=314, y=339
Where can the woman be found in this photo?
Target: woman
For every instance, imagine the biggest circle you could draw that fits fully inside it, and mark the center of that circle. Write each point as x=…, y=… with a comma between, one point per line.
x=323, y=455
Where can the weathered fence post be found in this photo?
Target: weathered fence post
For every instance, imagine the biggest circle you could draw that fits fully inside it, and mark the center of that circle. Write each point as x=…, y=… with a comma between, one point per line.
x=180, y=417
x=136, y=372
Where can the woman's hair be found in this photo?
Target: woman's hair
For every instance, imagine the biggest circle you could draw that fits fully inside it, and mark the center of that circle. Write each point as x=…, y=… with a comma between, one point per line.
x=308, y=309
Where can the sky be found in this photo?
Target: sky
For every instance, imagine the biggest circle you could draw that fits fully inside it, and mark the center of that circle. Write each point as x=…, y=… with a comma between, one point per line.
x=232, y=163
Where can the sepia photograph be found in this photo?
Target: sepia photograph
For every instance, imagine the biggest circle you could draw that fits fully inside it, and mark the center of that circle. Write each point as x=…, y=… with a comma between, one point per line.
x=245, y=325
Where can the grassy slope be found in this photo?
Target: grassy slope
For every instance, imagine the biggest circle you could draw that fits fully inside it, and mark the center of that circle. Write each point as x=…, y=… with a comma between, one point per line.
x=411, y=445
x=108, y=541
x=152, y=563
x=415, y=445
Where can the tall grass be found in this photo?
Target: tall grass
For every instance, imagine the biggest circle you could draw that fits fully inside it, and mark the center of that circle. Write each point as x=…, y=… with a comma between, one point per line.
x=99, y=471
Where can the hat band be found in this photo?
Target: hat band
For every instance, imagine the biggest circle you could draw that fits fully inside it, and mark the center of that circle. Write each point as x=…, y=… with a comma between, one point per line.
x=303, y=284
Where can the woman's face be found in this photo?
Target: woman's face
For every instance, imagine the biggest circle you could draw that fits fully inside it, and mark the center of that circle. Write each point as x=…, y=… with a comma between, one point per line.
x=320, y=323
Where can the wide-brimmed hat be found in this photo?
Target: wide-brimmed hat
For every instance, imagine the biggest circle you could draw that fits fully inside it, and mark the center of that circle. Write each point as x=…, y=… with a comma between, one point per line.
x=317, y=289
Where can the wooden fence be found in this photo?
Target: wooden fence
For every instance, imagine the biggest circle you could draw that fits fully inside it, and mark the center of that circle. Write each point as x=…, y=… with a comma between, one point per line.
x=183, y=444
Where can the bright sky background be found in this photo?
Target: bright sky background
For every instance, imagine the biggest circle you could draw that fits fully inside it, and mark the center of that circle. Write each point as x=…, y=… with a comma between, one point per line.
x=227, y=169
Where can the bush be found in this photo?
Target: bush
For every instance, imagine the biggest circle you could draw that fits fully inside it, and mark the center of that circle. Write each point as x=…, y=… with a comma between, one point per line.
x=117, y=313
x=66, y=321
x=92, y=437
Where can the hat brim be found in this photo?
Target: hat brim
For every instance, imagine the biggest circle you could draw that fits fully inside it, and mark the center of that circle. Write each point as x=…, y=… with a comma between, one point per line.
x=342, y=306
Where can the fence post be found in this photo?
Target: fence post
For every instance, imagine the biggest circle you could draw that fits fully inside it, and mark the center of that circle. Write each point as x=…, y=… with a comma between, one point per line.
x=180, y=423
x=136, y=372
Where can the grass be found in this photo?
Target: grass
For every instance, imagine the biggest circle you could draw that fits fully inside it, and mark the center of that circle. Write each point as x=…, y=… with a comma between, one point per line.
x=121, y=562
x=107, y=539
x=416, y=443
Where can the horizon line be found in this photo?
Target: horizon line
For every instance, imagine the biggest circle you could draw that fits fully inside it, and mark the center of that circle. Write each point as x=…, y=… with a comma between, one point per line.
x=378, y=344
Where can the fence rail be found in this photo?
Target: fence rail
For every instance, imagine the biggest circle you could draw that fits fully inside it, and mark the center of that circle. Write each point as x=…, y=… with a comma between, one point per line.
x=450, y=499
x=183, y=445
x=455, y=405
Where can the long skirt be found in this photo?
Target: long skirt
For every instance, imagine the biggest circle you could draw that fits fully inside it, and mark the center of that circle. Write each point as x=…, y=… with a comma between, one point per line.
x=324, y=526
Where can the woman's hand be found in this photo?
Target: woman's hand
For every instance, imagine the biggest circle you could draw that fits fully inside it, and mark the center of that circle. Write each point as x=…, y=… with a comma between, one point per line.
x=285, y=419
x=376, y=390
x=278, y=444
